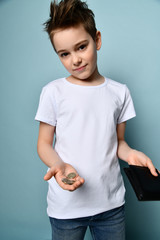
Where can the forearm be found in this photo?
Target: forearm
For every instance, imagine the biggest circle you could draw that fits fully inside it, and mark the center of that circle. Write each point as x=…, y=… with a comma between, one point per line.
x=47, y=154
x=124, y=151
x=130, y=155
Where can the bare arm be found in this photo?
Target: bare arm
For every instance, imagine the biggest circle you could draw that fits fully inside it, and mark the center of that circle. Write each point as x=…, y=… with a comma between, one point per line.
x=48, y=155
x=129, y=155
x=45, y=145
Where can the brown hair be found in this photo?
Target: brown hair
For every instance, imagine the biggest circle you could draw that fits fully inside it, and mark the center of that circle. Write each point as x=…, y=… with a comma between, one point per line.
x=70, y=13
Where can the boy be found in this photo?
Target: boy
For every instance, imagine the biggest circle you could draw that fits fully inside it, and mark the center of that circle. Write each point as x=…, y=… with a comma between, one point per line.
x=87, y=114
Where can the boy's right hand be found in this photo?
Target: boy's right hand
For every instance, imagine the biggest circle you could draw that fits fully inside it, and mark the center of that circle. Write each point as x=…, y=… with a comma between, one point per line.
x=60, y=170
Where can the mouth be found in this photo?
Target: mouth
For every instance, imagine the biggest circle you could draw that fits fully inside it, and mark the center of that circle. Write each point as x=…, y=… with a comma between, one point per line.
x=80, y=68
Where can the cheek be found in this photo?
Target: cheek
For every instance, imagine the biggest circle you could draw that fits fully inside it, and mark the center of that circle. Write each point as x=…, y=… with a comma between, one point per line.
x=92, y=55
x=65, y=63
x=93, y=59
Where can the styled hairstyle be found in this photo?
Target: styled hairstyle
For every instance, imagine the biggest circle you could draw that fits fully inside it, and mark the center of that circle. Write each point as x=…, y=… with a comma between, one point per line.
x=70, y=13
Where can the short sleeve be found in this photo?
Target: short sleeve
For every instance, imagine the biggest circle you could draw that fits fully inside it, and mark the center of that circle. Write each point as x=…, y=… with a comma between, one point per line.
x=47, y=107
x=128, y=111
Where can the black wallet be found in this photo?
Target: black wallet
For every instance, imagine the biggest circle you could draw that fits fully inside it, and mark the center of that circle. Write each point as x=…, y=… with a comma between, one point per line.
x=145, y=185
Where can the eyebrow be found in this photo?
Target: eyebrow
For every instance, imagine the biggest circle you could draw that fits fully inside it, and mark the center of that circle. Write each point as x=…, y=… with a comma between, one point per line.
x=76, y=45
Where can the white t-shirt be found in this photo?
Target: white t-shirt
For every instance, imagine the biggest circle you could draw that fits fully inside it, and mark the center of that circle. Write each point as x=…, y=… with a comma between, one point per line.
x=86, y=118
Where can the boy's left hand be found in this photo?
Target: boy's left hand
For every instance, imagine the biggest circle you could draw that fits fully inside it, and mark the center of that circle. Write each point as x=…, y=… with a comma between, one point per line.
x=140, y=159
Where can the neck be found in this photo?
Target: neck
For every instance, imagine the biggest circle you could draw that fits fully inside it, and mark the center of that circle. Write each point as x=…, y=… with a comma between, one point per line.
x=93, y=80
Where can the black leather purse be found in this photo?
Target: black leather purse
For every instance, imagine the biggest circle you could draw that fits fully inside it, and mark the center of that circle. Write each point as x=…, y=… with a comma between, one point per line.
x=145, y=185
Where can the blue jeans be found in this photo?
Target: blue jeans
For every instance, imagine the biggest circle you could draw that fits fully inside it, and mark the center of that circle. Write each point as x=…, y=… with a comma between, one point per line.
x=109, y=225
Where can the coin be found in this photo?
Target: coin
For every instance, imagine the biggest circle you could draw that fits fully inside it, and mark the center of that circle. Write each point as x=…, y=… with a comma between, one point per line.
x=67, y=181
x=71, y=175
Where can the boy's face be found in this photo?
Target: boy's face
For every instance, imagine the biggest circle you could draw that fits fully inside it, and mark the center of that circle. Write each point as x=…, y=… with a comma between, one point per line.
x=77, y=51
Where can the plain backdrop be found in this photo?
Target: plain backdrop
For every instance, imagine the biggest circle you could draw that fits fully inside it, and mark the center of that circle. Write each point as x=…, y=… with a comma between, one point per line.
x=130, y=54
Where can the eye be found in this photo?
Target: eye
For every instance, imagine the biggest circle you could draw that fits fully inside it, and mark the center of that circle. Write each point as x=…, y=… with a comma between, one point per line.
x=83, y=46
x=65, y=54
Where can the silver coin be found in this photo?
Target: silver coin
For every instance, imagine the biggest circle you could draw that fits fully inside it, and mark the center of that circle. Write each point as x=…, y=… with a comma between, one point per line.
x=71, y=175
x=67, y=181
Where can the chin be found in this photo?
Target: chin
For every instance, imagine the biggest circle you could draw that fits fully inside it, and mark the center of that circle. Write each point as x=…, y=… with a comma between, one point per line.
x=83, y=77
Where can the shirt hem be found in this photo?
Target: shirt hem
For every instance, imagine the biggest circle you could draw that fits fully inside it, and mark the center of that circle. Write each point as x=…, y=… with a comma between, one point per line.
x=92, y=213
x=40, y=119
x=126, y=119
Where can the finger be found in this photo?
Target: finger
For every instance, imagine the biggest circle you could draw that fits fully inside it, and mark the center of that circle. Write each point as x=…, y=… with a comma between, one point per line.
x=49, y=174
x=78, y=183
x=80, y=180
x=67, y=187
x=152, y=168
x=73, y=187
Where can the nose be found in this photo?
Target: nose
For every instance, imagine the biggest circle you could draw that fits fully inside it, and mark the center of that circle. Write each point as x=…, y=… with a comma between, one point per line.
x=76, y=59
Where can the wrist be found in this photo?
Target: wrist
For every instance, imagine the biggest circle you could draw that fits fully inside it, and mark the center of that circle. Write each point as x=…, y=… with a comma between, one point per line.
x=131, y=156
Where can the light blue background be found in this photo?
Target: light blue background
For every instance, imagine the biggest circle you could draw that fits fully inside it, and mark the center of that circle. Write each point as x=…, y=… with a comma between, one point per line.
x=130, y=54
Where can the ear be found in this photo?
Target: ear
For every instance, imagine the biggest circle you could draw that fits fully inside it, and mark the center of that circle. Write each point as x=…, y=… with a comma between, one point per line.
x=98, y=40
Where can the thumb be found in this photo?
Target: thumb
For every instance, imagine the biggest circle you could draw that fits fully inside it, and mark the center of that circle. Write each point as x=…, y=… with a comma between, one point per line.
x=49, y=174
x=152, y=169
